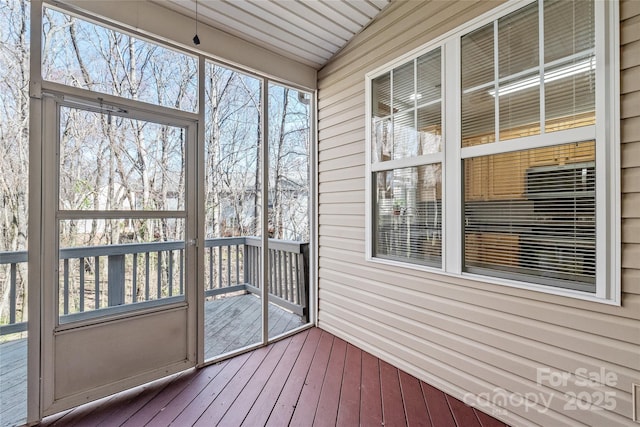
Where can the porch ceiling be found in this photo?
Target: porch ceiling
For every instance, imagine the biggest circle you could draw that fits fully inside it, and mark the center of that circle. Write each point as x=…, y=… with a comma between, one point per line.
x=308, y=31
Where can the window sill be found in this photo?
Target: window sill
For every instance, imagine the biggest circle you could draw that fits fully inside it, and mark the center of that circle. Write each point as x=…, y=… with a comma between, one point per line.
x=495, y=281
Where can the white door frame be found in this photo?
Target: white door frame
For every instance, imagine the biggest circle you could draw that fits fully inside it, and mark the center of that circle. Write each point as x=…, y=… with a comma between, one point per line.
x=151, y=354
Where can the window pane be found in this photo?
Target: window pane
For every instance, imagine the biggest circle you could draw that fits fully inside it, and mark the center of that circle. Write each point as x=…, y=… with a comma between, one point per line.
x=404, y=135
x=478, y=80
x=408, y=215
x=519, y=88
x=381, y=96
x=429, y=77
x=518, y=45
x=428, y=98
x=430, y=129
x=570, y=70
x=404, y=92
x=569, y=28
x=289, y=166
x=233, y=208
x=110, y=162
x=81, y=54
x=530, y=215
x=477, y=58
x=232, y=149
x=382, y=140
x=288, y=208
x=519, y=109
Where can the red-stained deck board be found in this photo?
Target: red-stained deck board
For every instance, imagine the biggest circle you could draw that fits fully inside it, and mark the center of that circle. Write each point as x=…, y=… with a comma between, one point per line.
x=79, y=416
x=487, y=420
x=237, y=412
x=265, y=402
x=305, y=410
x=327, y=411
x=225, y=398
x=185, y=399
x=463, y=414
x=370, y=394
x=286, y=403
x=438, y=407
x=309, y=378
x=415, y=407
x=349, y=405
x=392, y=404
x=117, y=416
x=202, y=400
x=162, y=398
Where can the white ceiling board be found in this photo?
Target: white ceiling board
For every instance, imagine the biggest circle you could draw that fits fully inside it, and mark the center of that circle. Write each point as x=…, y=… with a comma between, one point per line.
x=295, y=30
x=278, y=36
x=366, y=8
x=380, y=4
x=308, y=31
x=341, y=13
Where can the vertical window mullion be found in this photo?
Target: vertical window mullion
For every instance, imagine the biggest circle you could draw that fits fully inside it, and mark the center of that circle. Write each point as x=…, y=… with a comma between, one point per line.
x=541, y=65
x=392, y=126
x=496, y=80
x=453, y=236
x=415, y=100
x=603, y=206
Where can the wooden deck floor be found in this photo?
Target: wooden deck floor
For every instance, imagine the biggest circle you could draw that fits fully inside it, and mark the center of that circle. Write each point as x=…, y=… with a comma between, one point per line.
x=234, y=322
x=231, y=323
x=309, y=379
x=13, y=382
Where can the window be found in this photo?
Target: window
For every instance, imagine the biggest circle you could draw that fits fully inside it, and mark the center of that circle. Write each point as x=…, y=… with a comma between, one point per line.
x=85, y=55
x=407, y=161
x=528, y=147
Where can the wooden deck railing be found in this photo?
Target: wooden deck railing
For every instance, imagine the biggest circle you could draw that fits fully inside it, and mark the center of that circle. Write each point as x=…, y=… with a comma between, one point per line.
x=148, y=272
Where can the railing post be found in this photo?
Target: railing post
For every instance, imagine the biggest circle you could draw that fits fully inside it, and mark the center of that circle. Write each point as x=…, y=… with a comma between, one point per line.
x=304, y=280
x=246, y=263
x=116, y=280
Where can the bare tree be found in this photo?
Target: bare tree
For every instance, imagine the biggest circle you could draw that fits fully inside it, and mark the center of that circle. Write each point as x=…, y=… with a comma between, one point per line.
x=14, y=141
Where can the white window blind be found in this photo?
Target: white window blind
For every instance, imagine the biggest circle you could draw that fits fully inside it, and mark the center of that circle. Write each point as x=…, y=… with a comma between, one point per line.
x=530, y=215
x=409, y=215
x=570, y=64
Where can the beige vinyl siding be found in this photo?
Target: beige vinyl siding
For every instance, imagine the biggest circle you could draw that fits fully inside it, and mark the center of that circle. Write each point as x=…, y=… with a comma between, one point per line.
x=460, y=335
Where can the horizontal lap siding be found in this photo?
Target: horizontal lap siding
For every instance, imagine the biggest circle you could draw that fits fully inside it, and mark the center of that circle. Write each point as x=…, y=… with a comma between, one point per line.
x=465, y=336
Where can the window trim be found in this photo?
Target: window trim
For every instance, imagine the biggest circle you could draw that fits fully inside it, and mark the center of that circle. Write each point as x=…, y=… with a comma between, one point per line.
x=606, y=133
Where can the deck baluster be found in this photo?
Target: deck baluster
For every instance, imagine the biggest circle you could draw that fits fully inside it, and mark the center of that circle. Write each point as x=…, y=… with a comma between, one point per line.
x=12, y=294
x=115, y=280
x=147, y=277
x=159, y=273
x=65, y=297
x=97, y=282
x=181, y=271
x=134, y=283
x=170, y=255
x=82, y=269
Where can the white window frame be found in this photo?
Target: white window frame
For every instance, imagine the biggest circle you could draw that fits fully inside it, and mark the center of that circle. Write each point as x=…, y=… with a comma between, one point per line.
x=407, y=162
x=606, y=132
